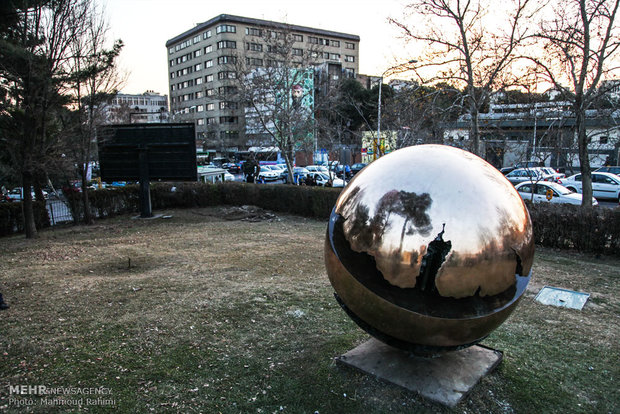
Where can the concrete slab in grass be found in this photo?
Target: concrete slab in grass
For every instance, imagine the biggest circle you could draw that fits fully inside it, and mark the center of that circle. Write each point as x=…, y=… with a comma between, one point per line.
x=445, y=379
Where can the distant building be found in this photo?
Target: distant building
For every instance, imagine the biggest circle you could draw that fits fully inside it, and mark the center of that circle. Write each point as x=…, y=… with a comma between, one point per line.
x=202, y=77
x=148, y=107
x=542, y=131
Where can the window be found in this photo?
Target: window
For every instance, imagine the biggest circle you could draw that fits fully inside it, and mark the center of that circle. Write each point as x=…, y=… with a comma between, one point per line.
x=172, y=87
x=206, y=34
x=226, y=75
x=334, y=43
x=197, y=53
x=200, y=121
x=211, y=121
x=253, y=31
x=210, y=92
x=298, y=52
x=210, y=106
x=313, y=40
x=226, y=28
x=171, y=51
x=229, y=119
x=196, y=39
x=226, y=44
x=349, y=45
x=172, y=74
x=275, y=35
x=314, y=53
x=229, y=134
x=208, y=49
x=227, y=90
x=603, y=140
x=224, y=60
x=254, y=47
x=348, y=58
x=298, y=38
x=200, y=94
x=209, y=64
x=198, y=81
x=209, y=78
x=254, y=61
x=349, y=73
x=171, y=62
x=197, y=67
x=200, y=108
x=228, y=105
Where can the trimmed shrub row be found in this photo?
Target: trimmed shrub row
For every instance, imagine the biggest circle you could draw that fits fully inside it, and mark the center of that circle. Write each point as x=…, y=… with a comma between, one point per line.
x=12, y=217
x=595, y=230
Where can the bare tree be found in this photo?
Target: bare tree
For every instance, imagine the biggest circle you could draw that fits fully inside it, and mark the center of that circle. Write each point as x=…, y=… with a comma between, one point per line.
x=279, y=94
x=579, y=46
x=93, y=81
x=471, y=44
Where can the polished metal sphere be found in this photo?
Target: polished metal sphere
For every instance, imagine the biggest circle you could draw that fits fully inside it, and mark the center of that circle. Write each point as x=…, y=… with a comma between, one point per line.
x=429, y=248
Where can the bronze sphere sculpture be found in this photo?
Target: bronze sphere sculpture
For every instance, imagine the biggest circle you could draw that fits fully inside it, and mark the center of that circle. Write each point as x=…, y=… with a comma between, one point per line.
x=429, y=248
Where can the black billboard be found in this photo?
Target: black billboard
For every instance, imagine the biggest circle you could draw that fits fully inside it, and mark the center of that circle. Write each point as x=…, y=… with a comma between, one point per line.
x=166, y=151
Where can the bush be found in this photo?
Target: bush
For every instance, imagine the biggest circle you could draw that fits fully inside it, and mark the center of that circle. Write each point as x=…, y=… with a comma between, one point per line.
x=12, y=217
x=594, y=230
x=590, y=230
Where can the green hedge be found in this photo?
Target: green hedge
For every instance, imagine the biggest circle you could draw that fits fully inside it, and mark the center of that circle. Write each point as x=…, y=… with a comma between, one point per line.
x=595, y=230
x=592, y=230
x=12, y=217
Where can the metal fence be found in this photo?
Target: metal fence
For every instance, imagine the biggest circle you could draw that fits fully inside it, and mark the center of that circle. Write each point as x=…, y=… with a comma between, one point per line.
x=58, y=210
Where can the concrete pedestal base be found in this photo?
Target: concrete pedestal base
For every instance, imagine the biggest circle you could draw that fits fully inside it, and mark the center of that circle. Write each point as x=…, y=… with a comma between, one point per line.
x=445, y=379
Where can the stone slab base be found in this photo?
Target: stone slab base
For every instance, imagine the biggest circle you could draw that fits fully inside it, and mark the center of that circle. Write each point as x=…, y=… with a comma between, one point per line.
x=445, y=379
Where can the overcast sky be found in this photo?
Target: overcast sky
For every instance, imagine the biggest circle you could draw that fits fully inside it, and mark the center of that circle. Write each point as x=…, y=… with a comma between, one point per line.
x=146, y=25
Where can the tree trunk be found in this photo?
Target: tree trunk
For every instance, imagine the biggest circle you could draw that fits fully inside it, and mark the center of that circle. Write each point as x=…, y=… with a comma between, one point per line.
x=474, y=130
x=584, y=158
x=88, y=218
x=27, y=205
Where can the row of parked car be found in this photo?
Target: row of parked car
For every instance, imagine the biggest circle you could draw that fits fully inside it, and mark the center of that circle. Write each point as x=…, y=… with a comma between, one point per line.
x=540, y=184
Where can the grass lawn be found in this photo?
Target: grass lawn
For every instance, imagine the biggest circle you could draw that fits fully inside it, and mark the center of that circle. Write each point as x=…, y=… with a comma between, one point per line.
x=199, y=314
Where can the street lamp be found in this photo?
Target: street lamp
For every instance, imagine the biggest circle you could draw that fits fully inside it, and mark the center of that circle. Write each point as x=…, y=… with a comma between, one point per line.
x=377, y=139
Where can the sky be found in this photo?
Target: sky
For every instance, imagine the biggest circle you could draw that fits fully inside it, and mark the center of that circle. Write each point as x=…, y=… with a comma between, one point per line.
x=145, y=25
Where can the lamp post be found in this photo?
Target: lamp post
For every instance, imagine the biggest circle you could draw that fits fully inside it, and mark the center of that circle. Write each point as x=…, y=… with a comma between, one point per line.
x=378, y=137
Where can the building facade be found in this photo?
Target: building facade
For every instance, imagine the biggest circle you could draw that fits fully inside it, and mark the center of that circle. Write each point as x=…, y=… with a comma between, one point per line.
x=542, y=132
x=147, y=107
x=203, y=65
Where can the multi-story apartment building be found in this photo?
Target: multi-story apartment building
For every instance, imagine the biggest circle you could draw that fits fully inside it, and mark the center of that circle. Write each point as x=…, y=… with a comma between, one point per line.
x=203, y=63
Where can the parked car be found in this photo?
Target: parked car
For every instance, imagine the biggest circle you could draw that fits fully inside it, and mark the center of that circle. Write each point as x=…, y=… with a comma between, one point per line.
x=524, y=174
x=551, y=174
x=317, y=168
x=610, y=169
x=16, y=194
x=559, y=194
x=524, y=164
x=267, y=173
x=604, y=184
x=317, y=178
x=355, y=168
x=232, y=167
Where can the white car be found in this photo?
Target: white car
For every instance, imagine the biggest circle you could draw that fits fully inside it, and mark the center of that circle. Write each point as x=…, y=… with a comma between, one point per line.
x=267, y=174
x=551, y=174
x=317, y=168
x=549, y=192
x=604, y=185
x=521, y=175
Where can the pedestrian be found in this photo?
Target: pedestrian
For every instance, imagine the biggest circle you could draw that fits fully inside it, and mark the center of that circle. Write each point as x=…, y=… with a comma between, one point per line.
x=3, y=304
